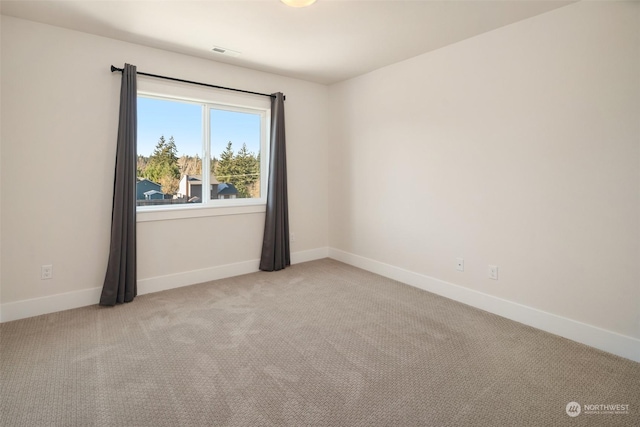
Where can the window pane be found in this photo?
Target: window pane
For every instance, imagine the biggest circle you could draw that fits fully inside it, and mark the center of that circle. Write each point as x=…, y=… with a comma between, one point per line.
x=235, y=152
x=169, y=165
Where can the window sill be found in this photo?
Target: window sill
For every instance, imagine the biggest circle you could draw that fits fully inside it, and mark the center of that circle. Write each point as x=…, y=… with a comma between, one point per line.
x=181, y=212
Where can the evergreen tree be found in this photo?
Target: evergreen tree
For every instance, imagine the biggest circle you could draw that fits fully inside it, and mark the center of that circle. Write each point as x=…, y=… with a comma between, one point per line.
x=241, y=169
x=226, y=168
x=249, y=171
x=162, y=166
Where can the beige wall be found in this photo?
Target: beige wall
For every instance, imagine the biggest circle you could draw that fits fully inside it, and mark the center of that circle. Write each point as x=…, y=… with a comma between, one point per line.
x=59, y=124
x=519, y=148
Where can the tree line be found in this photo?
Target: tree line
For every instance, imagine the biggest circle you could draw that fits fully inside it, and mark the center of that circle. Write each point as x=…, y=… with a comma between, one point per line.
x=241, y=168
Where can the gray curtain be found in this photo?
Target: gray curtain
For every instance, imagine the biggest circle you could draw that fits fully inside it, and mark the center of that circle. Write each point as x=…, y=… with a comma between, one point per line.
x=120, y=279
x=275, y=247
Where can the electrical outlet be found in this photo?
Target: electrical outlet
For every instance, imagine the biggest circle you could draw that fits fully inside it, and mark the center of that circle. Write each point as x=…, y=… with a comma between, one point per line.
x=292, y=237
x=46, y=272
x=460, y=264
x=493, y=272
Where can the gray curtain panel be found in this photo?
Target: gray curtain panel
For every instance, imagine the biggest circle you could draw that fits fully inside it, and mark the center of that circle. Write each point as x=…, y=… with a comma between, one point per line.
x=120, y=280
x=275, y=247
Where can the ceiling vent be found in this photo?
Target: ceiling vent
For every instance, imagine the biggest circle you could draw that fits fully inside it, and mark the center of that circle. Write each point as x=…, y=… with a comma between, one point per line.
x=224, y=51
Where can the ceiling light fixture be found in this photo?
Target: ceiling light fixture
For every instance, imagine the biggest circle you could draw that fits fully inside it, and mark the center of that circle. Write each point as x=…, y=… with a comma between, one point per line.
x=298, y=3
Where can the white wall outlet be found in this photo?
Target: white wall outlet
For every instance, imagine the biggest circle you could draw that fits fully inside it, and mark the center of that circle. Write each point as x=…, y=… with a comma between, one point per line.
x=460, y=264
x=46, y=272
x=493, y=272
x=292, y=237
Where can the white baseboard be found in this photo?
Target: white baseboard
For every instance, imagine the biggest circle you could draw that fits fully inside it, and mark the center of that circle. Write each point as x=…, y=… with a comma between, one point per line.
x=82, y=298
x=192, y=277
x=49, y=304
x=309, y=255
x=162, y=283
x=593, y=336
x=612, y=342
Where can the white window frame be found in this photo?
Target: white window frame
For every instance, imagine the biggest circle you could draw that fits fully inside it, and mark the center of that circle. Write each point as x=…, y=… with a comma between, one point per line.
x=208, y=206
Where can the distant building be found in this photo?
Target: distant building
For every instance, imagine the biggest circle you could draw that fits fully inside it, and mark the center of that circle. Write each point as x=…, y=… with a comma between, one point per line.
x=148, y=190
x=227, y=191
x=153, y=195
x=190, y=187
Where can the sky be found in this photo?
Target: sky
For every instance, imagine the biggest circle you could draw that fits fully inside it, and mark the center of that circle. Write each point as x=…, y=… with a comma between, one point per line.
x=183, y=121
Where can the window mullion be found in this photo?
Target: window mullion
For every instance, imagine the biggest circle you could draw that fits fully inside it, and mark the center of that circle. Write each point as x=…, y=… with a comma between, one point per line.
x=265, y=152
x=206, y=160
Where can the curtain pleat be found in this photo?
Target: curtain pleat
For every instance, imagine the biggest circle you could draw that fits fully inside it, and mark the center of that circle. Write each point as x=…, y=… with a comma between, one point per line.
x=275, y=247
x=120, y=279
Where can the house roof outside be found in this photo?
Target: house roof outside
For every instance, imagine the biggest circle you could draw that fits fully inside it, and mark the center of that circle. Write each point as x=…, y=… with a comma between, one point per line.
x=225, y=189
x=198, y=179
x=139, y=180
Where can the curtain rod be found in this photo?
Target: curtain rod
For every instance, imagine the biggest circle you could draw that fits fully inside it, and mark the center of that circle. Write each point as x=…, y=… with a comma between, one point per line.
x=114, y=69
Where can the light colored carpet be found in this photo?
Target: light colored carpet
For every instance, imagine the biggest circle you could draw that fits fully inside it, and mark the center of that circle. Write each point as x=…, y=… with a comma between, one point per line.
x=318, y=344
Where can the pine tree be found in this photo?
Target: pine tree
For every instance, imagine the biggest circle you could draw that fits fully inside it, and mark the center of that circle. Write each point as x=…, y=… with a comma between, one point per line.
x=214, y=164
x=226, y=167
x=242, y=170
x=162, y=166
x=249, y=171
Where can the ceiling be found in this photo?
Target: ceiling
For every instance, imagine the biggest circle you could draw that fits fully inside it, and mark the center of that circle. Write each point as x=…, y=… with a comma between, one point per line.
x=330, y=41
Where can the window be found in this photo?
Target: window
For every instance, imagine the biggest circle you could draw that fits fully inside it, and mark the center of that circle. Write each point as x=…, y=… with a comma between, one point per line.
x=199, y=153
